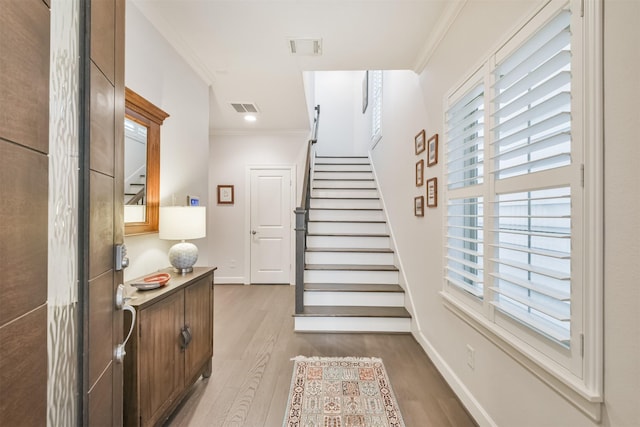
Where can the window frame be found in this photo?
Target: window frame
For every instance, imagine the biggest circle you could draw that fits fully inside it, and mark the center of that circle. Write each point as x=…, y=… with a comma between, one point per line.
x=376, y=78
x=579, y=375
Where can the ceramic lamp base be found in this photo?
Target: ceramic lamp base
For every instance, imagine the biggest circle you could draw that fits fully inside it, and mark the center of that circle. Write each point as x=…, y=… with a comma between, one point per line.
x=183, y=256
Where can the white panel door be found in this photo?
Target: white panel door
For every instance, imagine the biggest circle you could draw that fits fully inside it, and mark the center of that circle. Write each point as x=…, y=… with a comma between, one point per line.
x=271, y=212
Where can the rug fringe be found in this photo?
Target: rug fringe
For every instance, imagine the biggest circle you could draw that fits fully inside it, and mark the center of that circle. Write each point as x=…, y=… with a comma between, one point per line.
x=347, y=359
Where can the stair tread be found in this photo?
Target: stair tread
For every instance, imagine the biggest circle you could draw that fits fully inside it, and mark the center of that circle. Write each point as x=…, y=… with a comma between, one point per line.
x=346, y=209
x=344, y=198
x=344, y=188
x=340, y=164
x=353, y=311
x=352, y=287
x=341, y=157
x=349, y=221
x=340, y=179
x=363, y=250
x=341, y=171
x=351, y=267
x=347, y=235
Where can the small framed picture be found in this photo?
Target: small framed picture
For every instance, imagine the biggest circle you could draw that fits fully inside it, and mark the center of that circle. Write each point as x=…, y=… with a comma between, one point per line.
x=418, y=206
x=432, y=192
x=420, y=173
x=419, y=142
x=225, y=194
x=432, y=157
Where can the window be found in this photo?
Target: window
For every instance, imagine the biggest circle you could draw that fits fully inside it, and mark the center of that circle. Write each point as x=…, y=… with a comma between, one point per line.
x=465, y=169
x=515, y=196
x=376, y=114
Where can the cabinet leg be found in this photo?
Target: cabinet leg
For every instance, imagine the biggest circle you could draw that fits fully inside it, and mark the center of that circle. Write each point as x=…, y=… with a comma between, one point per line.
x=208, y=369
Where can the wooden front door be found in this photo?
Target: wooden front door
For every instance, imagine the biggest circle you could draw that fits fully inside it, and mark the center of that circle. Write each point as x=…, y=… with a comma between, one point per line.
x=24, y=149
x=101, y=210
x=271, y=212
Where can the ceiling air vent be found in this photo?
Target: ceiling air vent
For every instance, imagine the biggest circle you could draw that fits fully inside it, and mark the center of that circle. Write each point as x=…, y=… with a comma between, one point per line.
x=242, y=107
x=305, y=47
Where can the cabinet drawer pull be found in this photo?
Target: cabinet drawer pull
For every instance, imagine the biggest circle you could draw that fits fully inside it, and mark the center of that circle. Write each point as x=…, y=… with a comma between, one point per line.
x=185, y=334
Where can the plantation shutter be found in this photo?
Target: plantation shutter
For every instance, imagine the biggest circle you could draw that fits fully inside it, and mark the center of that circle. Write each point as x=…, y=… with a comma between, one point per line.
x=531, y=226
x=465, y=140
x=465, y=216
x=533, y=103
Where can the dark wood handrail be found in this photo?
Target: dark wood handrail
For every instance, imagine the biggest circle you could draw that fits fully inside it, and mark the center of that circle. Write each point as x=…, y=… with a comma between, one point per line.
x=138, y=197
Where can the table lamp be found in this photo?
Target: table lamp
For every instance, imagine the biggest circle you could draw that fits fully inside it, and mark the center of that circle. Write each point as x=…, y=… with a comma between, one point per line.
x=183, y=223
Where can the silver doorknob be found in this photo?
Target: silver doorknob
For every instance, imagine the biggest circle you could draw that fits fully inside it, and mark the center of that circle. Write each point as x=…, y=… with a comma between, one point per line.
x=254, y=232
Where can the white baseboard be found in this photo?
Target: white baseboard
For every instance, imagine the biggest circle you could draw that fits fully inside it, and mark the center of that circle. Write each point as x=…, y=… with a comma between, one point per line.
x=468, y=400
x=229, y=280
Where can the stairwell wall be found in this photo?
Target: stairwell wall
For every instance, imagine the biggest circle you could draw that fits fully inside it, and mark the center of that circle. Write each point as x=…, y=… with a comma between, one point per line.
x=339, y=94
x=499, y=391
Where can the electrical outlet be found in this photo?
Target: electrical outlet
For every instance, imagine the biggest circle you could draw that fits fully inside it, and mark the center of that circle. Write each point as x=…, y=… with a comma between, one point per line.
x=471, y=357
x=232, y=263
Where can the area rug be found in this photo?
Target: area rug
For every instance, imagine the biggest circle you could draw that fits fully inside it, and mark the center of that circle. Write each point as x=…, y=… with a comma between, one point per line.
x=341, y=392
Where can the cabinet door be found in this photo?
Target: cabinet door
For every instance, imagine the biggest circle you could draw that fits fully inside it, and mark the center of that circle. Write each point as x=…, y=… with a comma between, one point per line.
x=161, y=359
x=198, y=309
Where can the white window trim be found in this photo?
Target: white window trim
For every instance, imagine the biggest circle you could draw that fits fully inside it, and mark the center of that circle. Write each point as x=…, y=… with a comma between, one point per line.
x=585, y=393
x=377, y=105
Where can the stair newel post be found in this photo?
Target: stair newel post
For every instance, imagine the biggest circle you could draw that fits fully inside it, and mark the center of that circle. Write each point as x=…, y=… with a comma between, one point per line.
x=301, y=236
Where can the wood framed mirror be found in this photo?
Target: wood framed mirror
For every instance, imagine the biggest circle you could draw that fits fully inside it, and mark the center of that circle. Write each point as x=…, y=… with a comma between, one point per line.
x=142, y=164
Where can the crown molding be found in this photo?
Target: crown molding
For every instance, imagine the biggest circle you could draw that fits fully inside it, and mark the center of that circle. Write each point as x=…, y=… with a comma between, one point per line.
x=447, y=18
x=182, y=48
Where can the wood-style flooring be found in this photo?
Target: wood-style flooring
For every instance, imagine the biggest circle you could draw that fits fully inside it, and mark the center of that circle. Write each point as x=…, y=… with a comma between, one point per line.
x=254, y=342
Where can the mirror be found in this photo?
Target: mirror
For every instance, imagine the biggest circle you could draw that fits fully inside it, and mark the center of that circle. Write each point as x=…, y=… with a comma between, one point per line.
x=141, y=164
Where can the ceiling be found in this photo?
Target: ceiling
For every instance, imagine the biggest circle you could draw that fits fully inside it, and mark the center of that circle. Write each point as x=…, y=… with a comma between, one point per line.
x=241, y=47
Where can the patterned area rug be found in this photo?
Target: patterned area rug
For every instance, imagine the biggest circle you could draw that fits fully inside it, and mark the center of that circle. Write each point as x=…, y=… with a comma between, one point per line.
x=341, y=392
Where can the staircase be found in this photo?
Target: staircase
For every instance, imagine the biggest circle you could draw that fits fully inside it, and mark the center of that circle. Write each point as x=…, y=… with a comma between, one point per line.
x=350, y=280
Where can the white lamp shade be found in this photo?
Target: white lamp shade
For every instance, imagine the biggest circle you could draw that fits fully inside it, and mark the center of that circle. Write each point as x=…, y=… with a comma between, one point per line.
x=183, y=222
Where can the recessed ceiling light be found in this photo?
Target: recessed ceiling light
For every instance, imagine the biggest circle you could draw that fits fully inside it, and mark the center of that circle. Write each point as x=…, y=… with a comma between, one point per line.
x=250, y=118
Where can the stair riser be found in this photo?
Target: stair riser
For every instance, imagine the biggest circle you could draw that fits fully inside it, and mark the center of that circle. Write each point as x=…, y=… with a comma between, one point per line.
x=352, y=258
x=347, y=242
x=347, y=227
x=345, y=203
x=342, y=160
x=346, y=194
x=351, y=276
x=339, y=167
x=343, y=184
x=368, y=299
x=342, y=175
x=352, y=324
x=346, y=215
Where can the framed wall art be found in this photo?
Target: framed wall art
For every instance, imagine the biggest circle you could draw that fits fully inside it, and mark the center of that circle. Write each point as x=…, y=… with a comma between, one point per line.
x=225, y=194
x=419, y=142
x=418, y=206
x=432, y=192
x=420, y=173
x=432, y=156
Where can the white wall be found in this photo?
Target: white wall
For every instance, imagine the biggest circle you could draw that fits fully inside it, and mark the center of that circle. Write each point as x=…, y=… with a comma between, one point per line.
x=339, y=94
x=500, y=390
x=622, y=218
x=229, y=157
x=154, y=70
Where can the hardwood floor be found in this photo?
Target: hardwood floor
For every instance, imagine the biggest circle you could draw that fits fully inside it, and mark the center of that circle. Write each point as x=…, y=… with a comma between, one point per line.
x=254, y=342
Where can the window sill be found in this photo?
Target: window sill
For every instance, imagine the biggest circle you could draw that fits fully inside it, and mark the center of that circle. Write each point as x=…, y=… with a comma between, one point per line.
x=572, y=389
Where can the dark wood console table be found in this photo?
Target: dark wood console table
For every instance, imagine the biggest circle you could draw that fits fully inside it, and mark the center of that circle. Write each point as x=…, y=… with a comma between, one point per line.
x=171, y=345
